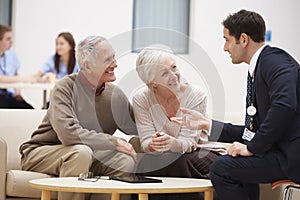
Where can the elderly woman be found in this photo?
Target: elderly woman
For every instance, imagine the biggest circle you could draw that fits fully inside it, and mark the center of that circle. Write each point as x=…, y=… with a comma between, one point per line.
x=170, y=149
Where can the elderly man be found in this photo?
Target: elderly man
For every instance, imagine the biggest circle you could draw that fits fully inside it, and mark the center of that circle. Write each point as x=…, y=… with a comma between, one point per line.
x=76, y=135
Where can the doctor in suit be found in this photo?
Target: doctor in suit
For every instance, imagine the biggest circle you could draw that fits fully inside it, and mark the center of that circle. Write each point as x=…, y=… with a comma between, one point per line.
x=267, y=148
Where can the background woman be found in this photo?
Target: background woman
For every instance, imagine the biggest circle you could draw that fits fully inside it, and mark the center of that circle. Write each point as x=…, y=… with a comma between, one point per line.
x=63, y=62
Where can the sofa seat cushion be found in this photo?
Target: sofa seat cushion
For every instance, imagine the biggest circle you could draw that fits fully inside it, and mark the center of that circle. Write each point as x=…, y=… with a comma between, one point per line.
x=17, y=183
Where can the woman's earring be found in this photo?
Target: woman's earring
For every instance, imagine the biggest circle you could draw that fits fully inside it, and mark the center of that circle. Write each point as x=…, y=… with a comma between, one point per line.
x=152, y=85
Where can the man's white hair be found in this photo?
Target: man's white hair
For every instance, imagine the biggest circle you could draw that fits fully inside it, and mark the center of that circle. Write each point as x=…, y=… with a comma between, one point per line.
x=87, y=50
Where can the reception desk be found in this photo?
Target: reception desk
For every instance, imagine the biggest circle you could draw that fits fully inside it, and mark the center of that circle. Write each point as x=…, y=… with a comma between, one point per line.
x=44, y=87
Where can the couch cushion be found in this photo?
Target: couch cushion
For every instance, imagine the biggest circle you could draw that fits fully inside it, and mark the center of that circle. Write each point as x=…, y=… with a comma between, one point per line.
x=17, y=183
x=16, y=127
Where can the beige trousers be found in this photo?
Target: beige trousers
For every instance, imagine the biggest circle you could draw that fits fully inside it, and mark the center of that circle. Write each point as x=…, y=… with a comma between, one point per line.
x=70, y=161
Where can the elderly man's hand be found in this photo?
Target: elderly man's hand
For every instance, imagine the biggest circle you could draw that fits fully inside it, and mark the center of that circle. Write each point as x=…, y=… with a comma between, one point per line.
x=126, y=147
x=194, y=120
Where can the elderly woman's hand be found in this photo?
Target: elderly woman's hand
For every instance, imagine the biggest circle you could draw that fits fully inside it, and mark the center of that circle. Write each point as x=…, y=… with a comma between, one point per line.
x=161, y=142
x=194, y=120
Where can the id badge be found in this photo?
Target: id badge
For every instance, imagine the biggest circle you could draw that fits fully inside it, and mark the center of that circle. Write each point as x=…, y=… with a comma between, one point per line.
x=248, y=135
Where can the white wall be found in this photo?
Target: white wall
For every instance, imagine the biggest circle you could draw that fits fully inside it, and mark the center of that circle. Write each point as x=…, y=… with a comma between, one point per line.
x=36, y=24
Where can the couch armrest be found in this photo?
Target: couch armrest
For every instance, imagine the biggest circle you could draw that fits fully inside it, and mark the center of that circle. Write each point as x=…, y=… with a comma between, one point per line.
x=3, y=164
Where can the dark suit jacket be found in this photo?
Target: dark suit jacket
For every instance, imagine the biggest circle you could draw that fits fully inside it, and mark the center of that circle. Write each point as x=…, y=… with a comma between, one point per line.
x=277, y=96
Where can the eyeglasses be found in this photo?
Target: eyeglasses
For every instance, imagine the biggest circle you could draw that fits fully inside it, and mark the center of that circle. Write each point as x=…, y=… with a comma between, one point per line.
x=89, y=176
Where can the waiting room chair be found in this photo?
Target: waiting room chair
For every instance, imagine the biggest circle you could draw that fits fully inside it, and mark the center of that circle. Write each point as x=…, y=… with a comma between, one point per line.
x=288, y=190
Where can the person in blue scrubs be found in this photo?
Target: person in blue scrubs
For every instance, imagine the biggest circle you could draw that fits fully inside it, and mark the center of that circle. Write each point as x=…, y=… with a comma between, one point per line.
x=9, y=66
x=62, y=63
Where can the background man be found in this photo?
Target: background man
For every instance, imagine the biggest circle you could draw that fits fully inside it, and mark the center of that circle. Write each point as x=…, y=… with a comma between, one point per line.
x=9, y=67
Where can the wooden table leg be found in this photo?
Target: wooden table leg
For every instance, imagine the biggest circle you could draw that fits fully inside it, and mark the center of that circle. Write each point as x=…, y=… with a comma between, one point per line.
x=46, y=195
x=143, y=196
x=208, y=195
x=45, y=99
x=115, y=196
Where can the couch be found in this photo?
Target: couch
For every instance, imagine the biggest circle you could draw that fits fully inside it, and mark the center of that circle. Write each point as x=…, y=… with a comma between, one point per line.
x=16, y=127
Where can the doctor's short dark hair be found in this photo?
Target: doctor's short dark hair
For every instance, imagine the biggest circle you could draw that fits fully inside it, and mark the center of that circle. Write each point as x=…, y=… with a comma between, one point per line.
x=248, y=22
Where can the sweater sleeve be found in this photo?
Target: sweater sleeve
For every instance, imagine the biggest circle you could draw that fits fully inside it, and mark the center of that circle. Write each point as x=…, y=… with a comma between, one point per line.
x=143, y=119
x=123, y=112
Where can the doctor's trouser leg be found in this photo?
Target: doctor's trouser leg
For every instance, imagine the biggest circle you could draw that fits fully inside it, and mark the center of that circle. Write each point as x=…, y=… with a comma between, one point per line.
x=59, y=160
x=239, y=177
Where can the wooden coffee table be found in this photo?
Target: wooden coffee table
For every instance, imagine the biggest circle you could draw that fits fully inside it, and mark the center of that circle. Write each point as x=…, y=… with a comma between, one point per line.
x=115, y=188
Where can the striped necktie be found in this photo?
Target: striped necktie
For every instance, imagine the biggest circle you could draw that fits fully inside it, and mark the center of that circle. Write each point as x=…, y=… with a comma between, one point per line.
x=248, y=121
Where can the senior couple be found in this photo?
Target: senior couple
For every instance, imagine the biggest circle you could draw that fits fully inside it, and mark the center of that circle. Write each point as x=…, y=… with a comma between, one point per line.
x=76, y=135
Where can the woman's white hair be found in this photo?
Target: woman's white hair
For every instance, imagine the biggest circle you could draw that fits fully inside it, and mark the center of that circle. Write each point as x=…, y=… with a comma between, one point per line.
x=87, y=50
x=149, y=58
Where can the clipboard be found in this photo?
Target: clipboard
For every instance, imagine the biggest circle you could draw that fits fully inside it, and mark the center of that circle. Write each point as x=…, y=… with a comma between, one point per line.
x=135, y=179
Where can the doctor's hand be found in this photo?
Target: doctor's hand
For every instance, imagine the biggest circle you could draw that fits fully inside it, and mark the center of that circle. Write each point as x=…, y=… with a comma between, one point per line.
x=238, y=149
x=194, y=120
